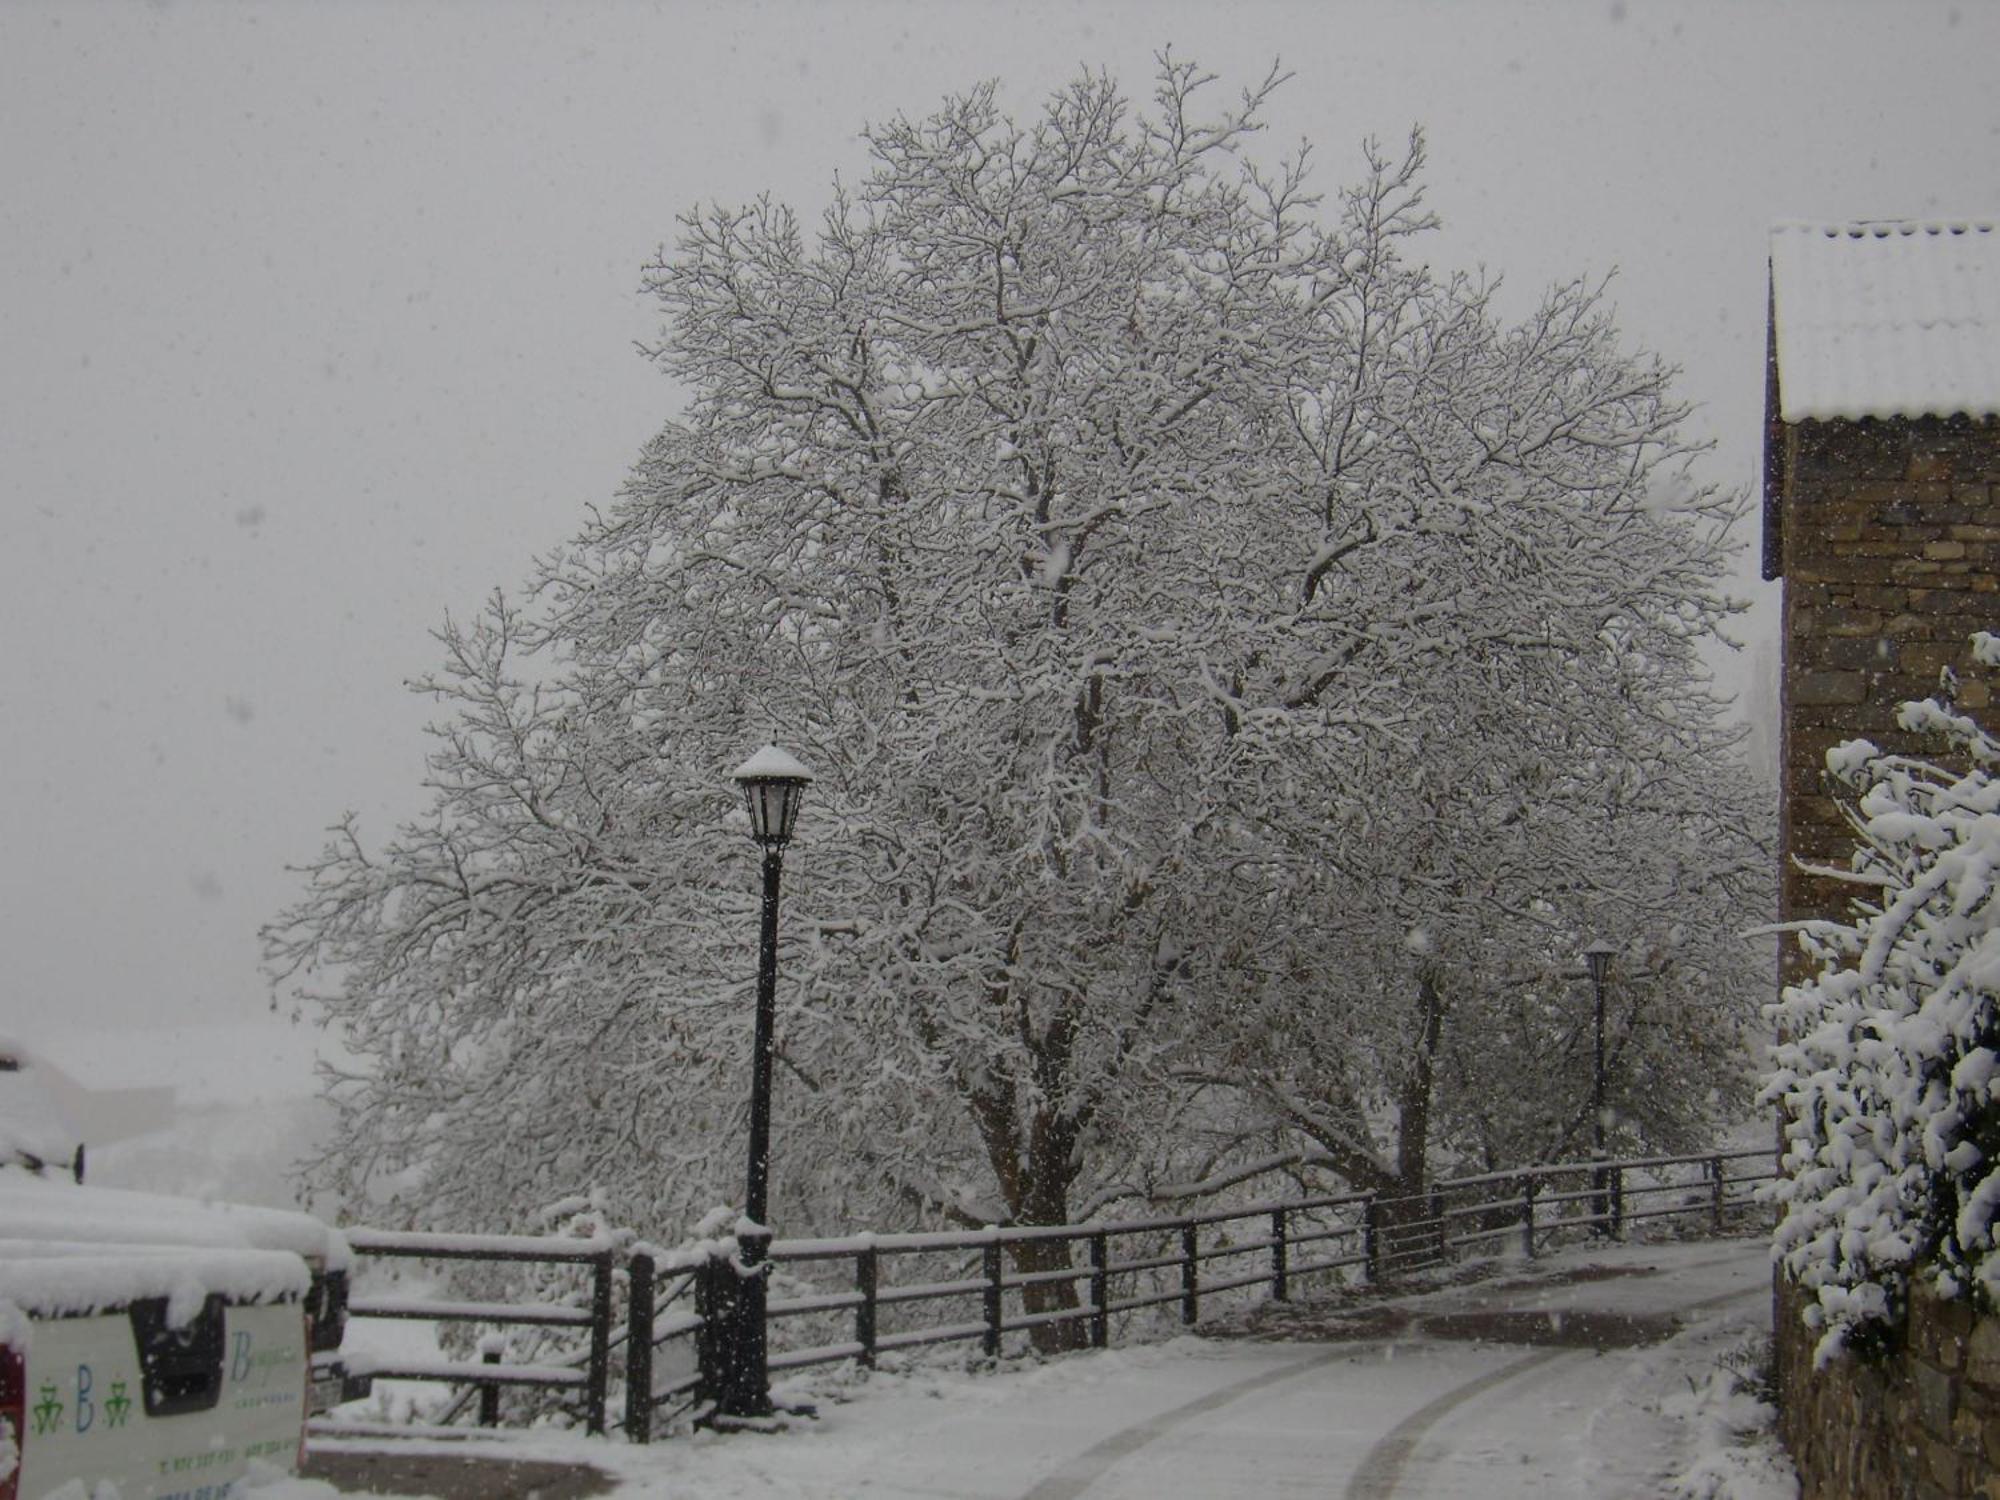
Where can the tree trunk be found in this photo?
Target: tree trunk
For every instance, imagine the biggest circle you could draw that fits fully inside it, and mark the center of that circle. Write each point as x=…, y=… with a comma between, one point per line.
x=1404, y=1203
x=1044, y=1199
x=1413, y=1102
x=1034, y=1183
x=1072, y=1333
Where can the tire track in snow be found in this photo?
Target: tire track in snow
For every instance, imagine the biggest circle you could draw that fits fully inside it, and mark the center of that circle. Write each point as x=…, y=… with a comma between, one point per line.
x=1380, y=1471
x=1382, y=1468
x=1084, y=1470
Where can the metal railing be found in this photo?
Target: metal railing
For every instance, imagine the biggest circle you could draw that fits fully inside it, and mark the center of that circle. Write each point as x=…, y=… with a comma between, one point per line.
x=1082, y=1277
x=1064, y=1286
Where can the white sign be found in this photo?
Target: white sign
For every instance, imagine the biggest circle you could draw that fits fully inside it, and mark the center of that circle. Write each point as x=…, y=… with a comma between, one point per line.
x=83, y=1409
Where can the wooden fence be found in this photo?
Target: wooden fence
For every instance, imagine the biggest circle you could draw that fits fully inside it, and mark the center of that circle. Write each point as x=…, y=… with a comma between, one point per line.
x=863, y=1296
x=586, y=1372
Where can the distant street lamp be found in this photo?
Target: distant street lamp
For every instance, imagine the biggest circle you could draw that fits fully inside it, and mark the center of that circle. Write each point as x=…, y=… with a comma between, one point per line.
x=774, y=784
x=1597, y=958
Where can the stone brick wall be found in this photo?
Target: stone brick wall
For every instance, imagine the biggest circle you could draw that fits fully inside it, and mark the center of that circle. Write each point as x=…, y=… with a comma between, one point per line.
x=1923, y=1424
x=1890, y=548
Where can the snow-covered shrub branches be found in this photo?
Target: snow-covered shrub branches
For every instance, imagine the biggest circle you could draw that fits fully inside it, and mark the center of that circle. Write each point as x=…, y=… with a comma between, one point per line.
x=1888, y=1077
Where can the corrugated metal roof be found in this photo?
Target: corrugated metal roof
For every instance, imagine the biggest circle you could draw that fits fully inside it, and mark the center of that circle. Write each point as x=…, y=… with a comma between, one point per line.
x=1888, y=319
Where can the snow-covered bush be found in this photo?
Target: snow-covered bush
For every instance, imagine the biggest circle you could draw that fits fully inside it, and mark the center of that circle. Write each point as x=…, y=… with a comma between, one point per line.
x=1887, y=1078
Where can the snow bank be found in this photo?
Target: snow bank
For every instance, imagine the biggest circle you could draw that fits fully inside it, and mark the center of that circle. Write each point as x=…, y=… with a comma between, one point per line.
x=1736, y=1454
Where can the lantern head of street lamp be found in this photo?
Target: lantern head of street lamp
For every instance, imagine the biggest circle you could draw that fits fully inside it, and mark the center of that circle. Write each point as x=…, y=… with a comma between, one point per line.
x=774, y=784
x=1598, y=957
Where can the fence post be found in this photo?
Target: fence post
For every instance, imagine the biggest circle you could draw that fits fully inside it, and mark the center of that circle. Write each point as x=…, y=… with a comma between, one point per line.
x=1100, y=1290
x=710, y=1338
x=1371, y=1245
x=1434, y=1205
x=1528, y=1215
x=1190, y=1276
x=489, y=1392
x=990, y=1255
x=1617, y=1203
x=867, y=1280
x=1281, y=1286
x=639, y=1350
x=723, y=1300
x=598, y=1378
x=1715, y=1191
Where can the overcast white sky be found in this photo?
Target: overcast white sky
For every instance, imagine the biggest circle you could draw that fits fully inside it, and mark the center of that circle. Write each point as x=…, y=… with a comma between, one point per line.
x=318, y=320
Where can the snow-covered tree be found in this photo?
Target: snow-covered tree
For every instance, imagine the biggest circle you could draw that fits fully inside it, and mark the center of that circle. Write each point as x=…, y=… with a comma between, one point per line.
x=1445, y=1021
x=1887, y=1079
x=1557, y=768
x=1182, y=595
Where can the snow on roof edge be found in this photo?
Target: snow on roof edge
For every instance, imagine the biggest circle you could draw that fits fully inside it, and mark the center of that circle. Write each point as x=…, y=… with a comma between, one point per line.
x=1887, y=317
x=1881, y=229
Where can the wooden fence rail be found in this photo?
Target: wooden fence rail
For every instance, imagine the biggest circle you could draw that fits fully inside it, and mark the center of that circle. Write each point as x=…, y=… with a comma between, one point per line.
x=1127, y=1267
x=589, y=1371
x=1065, y=1285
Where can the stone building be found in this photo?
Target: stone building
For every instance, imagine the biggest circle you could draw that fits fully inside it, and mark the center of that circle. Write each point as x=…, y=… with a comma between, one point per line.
x=1882, y=515
x=1881, y=495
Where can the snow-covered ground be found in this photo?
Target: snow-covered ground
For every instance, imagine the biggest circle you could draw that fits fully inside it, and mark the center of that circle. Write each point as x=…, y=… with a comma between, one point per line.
x=1406, y=1402
x=1549, y=1380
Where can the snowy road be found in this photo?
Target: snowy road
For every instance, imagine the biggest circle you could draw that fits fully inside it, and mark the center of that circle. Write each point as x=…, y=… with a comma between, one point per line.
x=1589, y=1377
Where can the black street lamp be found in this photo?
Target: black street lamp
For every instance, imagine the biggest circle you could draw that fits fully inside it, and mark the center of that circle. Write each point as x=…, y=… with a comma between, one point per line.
x=1597, y=958
x=774, y=784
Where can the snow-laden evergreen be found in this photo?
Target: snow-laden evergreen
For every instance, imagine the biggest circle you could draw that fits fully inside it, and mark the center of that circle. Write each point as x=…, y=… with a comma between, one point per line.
x=1888, y=1079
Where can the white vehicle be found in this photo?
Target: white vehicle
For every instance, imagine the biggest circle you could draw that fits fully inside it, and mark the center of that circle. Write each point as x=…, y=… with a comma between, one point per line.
x=158, y=1345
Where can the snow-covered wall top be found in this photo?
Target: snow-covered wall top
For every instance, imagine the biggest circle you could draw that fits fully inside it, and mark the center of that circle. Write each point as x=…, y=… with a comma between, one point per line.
x=1887, y=319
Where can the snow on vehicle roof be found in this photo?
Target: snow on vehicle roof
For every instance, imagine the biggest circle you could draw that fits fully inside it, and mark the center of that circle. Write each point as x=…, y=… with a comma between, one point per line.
x=56, y=1210
x=1887, y=319
x=54, y=1278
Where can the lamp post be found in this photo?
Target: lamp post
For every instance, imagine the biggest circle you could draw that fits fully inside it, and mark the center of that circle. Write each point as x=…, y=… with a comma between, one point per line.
x=774, y=784
x=1597, y=958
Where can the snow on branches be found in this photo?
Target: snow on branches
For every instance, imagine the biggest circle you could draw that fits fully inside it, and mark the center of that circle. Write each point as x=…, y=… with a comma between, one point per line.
x=1888, y=1080
x=1179, y=590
